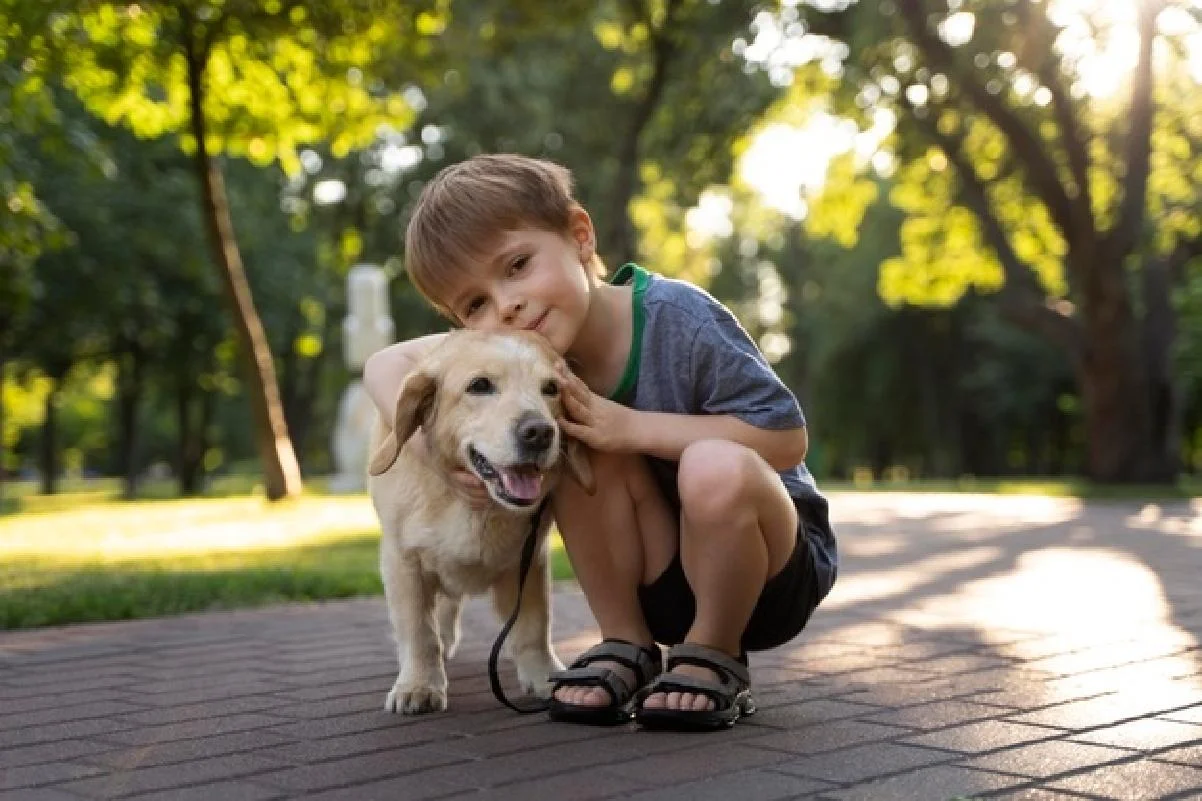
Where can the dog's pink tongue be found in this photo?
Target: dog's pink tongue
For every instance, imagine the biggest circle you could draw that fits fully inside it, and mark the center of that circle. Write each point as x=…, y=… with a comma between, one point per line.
x=522, y=483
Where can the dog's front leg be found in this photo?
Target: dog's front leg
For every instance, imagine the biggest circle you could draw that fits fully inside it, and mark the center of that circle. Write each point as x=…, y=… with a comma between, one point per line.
x=421, y=685
x=449, y=608
x=529, y=642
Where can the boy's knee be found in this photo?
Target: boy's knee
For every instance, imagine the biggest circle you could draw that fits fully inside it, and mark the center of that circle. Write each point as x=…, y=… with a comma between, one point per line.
x=716, y=478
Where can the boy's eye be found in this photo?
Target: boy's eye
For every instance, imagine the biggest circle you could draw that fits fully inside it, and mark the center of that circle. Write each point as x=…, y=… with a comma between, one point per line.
x=473, y=306
x=481, y=385
x=550, y=389
x=518, y=264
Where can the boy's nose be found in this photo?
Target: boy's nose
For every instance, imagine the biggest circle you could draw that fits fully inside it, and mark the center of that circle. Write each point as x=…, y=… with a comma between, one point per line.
x=512, y=309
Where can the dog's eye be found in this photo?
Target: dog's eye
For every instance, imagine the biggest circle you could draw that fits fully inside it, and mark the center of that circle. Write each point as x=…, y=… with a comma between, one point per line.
x=481, y=385
x=550, y=389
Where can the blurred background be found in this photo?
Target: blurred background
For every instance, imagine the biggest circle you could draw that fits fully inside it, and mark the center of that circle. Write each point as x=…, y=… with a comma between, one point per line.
x=967, y=233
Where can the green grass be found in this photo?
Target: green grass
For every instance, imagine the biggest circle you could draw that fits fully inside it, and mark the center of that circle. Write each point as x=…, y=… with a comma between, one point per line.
x=87, y=557
x=22, y=496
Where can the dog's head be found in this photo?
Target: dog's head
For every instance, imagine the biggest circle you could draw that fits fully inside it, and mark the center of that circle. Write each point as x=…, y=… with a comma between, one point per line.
x=489, y=402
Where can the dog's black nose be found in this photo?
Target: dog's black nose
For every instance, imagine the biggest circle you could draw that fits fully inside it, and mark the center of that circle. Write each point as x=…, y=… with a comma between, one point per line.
x=535, y=433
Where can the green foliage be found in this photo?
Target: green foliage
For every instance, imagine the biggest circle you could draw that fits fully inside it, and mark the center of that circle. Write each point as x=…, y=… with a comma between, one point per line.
x=1188, y=353
x=276, y=74
x=25, y=108
x=943, y=250
x=380, y=97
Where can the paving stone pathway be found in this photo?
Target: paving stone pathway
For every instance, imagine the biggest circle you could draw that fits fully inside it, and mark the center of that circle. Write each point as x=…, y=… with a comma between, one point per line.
x=974, y=646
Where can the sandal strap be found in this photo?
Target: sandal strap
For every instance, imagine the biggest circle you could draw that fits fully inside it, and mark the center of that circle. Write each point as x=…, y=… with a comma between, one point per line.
x=646, y=662
x=721, y=693
x=724, y=664
x=612, y=682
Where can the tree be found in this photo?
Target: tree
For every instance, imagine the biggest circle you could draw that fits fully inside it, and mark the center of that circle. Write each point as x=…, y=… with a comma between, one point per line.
x=248, y=78
x=27, y=228
x=1078, y=214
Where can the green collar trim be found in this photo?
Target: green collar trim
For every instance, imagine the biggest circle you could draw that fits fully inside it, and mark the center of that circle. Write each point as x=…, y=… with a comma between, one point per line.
x=635, y=275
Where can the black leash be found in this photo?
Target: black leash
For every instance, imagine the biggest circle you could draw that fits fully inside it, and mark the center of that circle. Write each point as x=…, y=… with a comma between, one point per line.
x=528, y=548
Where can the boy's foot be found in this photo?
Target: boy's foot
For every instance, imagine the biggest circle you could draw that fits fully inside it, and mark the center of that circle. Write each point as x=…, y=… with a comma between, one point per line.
x=704, y=689
x=600, y=685
x=695, y=702
x=596, y=697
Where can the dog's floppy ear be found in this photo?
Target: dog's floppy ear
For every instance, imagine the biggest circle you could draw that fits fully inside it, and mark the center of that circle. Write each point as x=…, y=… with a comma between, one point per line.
x=580, y=466
x=412, y=408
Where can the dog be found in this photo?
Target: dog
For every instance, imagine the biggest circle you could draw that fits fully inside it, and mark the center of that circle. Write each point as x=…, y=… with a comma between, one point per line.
x=487, y=403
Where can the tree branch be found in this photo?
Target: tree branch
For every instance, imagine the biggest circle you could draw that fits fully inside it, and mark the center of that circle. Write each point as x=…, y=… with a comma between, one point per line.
x=620, y=240
x=1133, y=208
x=1021, y=299
x=1041, y=171
x=1040, y=56
x=1075, y=147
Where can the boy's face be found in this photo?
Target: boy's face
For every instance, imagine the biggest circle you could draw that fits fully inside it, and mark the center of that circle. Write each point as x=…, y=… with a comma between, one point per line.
x=530, y=279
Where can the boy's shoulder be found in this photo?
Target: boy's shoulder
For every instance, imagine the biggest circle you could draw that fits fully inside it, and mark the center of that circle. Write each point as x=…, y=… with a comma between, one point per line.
x=681, y=302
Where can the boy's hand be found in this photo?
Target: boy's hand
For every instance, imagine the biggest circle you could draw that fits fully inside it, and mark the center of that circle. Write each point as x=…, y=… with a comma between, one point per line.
x=596, y=421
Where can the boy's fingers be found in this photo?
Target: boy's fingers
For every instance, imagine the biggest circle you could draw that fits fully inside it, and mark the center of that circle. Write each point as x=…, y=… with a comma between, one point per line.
x=573, y=382
x=577, y=408
x=575, y=430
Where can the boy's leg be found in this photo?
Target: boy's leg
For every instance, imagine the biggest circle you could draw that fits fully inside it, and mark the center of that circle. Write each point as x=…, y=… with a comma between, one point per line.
x=738, y=528
x=620, y=537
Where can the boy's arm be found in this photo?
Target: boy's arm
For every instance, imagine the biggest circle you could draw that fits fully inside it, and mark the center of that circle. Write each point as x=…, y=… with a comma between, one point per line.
x=385, y=371
x=667, y=435
x=608, y=426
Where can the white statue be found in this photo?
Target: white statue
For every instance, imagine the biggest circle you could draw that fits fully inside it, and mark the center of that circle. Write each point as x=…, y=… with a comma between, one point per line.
x=367, y=328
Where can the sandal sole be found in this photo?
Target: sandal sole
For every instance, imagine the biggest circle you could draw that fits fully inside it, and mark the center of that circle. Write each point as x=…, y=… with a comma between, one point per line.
x=680, y=720
x=599, y=716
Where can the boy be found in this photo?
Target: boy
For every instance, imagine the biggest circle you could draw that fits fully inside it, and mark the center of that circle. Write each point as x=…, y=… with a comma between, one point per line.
x=706, y=531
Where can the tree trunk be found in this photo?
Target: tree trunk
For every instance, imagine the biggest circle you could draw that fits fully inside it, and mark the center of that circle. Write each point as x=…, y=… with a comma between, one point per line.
x=1166, y=398
x=129, y=399
x=281, y=473
x=48, y=451
x=193, y=414
x=3, y=474
x=1114, y=381
x=306, y=387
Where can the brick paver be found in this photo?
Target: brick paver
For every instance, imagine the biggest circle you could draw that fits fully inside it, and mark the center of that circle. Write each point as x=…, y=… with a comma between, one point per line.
x=973, y=647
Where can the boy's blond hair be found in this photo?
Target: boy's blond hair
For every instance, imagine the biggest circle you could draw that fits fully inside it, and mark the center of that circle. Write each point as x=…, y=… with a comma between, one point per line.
x=467, y=206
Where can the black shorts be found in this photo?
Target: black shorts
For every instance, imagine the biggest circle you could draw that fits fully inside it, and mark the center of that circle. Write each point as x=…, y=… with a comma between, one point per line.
x=780, y=614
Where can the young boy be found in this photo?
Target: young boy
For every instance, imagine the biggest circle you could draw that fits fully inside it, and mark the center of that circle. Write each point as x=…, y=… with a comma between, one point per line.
x=706, y=532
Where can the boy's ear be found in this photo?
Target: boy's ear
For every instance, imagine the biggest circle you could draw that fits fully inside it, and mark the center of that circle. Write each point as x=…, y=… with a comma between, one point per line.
x=413, y=407
x=583, y=233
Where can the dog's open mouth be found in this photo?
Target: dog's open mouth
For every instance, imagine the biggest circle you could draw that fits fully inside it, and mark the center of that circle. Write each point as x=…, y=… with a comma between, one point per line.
x=519, y=485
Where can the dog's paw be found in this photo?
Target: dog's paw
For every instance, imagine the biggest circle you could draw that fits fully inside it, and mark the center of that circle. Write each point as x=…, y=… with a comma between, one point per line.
x=415, y=700
x=534, y=675
x=540, y=689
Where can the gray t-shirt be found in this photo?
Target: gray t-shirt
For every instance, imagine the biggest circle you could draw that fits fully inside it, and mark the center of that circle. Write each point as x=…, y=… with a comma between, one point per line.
x=689, y=355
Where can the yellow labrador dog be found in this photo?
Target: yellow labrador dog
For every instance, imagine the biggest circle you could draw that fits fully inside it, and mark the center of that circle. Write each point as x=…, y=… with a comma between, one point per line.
x=487, y=403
